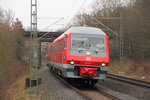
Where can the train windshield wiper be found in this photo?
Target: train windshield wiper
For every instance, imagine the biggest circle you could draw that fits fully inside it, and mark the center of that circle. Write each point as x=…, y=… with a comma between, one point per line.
x=83, y=46
x=96, y=51
x=81, y=42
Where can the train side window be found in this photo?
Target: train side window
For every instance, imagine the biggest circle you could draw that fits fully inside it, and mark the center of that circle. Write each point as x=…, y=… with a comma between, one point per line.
x=61, y=46
x=65, y=42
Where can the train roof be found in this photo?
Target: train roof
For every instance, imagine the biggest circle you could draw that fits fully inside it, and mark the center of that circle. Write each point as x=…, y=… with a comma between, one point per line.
x=82, y=30
x=86, y=30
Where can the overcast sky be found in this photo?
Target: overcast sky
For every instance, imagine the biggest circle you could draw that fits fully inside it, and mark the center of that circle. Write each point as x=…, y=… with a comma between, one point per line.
x=46, y=9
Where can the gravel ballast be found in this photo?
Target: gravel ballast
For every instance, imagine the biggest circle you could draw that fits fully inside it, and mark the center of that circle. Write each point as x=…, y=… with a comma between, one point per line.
x=54, y=89
x=126, y=89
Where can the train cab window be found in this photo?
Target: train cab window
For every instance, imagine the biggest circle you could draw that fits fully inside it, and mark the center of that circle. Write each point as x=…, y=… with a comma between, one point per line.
x=88, y=43
x=78, y=42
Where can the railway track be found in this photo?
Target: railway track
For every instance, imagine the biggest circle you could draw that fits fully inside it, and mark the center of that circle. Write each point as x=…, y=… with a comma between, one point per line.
x=93, y=93
x=129, y=80
x=96, y=93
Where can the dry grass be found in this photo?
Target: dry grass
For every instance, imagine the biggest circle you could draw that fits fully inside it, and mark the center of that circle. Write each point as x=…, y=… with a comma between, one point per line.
x=132, y=69
x=11, y=63
x=16, y=90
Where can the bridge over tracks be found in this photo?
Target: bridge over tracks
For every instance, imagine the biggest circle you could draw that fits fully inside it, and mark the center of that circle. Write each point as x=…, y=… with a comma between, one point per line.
x=49, y=37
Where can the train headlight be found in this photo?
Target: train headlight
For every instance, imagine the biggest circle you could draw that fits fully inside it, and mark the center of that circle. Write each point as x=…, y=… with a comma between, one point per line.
x=103, y=64
x=72, y=62
x=88, y=53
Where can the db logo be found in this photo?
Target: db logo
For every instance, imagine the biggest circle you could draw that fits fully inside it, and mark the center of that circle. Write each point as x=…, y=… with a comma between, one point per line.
x=88, y=58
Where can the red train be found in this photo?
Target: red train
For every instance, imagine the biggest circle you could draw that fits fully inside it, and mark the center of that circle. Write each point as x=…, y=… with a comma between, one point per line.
x=80, y=54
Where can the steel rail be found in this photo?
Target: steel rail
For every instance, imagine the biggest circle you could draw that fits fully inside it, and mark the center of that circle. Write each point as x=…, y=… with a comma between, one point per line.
x=129, y=80
x=72, y=87
x=106, y=93
x=84, y=95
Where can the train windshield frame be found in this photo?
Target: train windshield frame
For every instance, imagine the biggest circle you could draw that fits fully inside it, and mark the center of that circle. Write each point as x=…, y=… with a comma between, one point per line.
x=88, y=43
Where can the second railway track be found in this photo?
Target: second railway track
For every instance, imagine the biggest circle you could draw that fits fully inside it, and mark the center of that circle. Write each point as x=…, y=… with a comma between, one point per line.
x=129, y=80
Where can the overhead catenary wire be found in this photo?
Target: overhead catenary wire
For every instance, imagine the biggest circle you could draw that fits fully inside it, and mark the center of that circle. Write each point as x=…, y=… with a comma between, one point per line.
x=106, y=27
x=79, y=7
x=61, y=19
x=74, y=3
x=70, y=12
x=49, y=26
x=53, y=23
x=48, y=18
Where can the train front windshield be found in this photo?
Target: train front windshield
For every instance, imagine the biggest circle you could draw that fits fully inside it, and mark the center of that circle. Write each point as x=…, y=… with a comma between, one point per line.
x=88, y=43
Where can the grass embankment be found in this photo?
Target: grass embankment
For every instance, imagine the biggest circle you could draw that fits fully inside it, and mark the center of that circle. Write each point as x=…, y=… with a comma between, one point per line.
x=16, y=90
x=132, y=69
